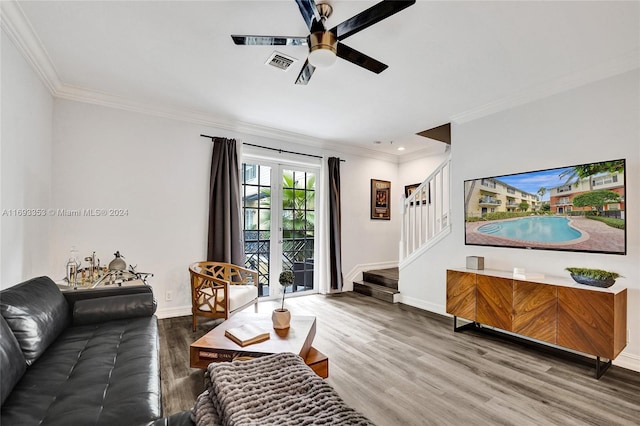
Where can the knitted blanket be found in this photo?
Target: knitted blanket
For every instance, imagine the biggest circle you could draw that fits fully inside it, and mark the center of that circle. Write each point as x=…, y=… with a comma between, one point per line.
x=277, y=389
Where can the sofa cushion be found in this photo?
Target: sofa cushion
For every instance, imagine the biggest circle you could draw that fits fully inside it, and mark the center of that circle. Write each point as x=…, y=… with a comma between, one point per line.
x=102, y=374
x=239, y=295
x=36, y=312
x=12, y=362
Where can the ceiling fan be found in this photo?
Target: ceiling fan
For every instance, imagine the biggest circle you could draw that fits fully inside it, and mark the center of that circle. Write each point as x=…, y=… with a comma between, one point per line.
x=325, y=45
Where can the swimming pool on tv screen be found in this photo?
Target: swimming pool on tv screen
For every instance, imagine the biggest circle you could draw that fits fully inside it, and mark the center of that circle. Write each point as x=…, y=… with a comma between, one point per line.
x=535, y=229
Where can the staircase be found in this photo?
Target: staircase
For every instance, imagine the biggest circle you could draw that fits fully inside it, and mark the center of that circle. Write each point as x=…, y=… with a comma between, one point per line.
x=381, y=284
x=425, y=215
x=425, y=222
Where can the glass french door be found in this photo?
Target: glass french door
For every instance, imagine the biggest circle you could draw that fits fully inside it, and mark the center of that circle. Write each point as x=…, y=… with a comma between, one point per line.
x=279, y=218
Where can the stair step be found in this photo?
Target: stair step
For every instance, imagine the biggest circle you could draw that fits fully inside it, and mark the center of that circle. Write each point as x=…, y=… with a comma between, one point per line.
x=385, y=277
x=377, y=291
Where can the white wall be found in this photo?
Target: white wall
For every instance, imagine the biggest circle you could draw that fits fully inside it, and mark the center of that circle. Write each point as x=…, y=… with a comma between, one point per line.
x=158, y=170
x=367, y=243
x=417, y=170
x=153, y=168
x=25, y=155
x=596, y=122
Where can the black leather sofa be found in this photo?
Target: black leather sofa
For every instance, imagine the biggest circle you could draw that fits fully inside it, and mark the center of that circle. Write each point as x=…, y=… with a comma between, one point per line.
x=86, y=357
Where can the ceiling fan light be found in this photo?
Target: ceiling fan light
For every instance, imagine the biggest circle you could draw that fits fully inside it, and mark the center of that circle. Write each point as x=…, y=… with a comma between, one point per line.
x=322, y=58
x=322, y=50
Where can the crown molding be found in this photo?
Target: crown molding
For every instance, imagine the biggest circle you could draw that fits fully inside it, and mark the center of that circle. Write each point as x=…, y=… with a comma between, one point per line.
x=620, y=65
x=19, y=30
x=79, y=94
x=425, y=152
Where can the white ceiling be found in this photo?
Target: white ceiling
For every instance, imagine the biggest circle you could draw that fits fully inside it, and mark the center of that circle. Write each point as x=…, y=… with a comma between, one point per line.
x=446, y=59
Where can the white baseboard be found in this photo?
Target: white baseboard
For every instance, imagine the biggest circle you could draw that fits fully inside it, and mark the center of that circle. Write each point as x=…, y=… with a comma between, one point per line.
x=629, y=361
x=179, y=311
x=421, y=304
x=356, y=273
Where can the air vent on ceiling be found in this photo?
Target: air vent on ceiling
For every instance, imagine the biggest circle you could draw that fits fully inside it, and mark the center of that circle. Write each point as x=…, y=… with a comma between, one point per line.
x=280, y=61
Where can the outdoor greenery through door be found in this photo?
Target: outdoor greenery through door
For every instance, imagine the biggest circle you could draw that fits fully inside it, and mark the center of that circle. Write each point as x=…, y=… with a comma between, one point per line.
x=279, y=198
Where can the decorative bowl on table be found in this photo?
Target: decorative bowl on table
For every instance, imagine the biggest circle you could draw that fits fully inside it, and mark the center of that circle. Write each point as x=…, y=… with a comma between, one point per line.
x=593, y=277
x=595, y=282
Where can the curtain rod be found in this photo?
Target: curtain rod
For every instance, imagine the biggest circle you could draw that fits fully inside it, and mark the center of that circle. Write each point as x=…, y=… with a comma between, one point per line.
x=272, y=149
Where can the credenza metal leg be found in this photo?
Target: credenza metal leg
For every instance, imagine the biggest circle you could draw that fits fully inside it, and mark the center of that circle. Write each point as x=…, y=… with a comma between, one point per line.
x=456, y=329
x=601, y=367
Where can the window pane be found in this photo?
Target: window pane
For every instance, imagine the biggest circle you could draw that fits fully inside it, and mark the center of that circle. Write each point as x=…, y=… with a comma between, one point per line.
x=298, y=219
x=287, y=219
x=264, y=218
x=256, y=203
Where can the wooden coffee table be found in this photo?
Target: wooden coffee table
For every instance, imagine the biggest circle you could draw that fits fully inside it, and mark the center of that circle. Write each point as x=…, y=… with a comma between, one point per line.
x=216, y=347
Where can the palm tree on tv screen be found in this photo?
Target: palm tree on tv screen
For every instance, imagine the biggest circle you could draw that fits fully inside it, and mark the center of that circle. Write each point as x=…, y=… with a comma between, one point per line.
x=576, y=173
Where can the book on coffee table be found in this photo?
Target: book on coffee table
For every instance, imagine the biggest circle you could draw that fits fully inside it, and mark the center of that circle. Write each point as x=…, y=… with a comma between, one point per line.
x=247, y=334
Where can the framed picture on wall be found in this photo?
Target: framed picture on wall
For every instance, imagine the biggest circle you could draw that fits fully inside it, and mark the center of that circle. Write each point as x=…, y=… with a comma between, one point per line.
x=380, y=199
x=410, y=189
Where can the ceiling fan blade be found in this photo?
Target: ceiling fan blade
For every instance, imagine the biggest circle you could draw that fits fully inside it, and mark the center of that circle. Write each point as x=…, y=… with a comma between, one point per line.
x=309, y=11
x=365, y=19
x=358, y=58
x=305, y=73
x=254, y=40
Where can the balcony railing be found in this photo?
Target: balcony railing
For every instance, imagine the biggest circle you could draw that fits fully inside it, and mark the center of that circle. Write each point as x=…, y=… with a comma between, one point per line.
x=489, y=200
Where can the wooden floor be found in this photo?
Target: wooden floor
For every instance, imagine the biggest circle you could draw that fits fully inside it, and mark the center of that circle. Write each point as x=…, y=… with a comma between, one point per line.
x=401, y=366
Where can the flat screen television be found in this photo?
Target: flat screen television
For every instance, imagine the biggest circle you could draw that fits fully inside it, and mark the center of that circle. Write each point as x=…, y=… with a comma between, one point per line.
x=575, y=208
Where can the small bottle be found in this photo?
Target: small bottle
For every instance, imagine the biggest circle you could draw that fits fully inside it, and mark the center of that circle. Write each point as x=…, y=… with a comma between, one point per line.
x=72, y=270
x=90, y=271
x=94, y=273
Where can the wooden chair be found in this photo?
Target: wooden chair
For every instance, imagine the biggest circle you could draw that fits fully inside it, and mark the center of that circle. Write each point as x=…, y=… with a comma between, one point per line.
x=218, y=289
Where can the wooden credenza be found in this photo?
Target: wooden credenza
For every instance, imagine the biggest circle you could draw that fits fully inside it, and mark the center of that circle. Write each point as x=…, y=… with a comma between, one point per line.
x=554, y=310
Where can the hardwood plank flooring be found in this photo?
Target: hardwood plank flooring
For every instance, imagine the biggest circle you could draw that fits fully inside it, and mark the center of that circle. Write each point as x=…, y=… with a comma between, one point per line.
x=402, y=366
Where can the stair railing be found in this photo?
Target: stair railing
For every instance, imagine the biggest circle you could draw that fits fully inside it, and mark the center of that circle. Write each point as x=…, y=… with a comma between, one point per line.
x=426, y=213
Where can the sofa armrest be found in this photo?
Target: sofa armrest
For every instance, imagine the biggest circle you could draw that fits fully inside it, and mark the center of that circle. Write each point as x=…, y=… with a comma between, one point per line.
x=99, y=305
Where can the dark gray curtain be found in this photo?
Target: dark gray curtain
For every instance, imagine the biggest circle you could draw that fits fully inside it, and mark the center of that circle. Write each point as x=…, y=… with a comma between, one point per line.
x=335, y=234
x=225, y=227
